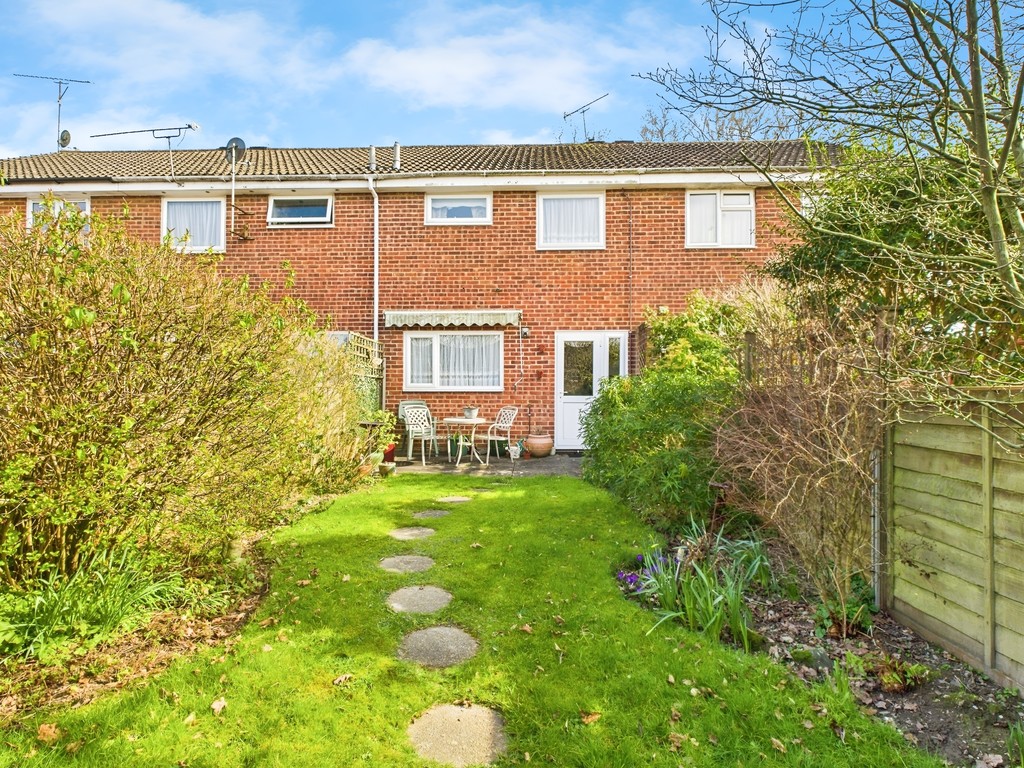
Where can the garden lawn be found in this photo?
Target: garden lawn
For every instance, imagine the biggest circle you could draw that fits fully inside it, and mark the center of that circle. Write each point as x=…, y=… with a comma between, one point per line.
x=313, y=680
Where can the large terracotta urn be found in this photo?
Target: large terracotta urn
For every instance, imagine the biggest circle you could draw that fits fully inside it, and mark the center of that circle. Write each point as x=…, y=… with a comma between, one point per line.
x=539, y=445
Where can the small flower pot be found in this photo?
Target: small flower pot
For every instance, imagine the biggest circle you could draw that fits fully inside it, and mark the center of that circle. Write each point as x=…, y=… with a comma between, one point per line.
x=470, y=413
x=389, y=453
x=386, y=468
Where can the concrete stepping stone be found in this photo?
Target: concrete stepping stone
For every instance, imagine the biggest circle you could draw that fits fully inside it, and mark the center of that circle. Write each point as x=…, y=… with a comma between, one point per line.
x=426, y=514
x=438, y=647
x=459, y=736
x=409, y=534
x=406, y=563
x=454, y=499
x=418, y=599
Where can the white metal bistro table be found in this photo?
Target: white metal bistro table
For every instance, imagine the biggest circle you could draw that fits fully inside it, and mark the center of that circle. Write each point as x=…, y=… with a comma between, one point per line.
x=455, y=426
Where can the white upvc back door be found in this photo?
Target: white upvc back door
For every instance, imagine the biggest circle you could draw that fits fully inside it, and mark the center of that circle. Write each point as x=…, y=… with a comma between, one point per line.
x=582, y=360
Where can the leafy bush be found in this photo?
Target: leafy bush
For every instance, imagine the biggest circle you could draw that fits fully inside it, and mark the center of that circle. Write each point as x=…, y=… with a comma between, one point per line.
x=147, y=402
x=648, y=436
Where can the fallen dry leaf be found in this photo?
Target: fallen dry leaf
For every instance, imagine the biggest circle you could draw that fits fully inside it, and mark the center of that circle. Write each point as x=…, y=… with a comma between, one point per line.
x=987, y=761
x=269, y=622
x=671, y=680
x=778, y=745
x=527, y=629
x=476, y=545
x=675, y=716
x=712, y=739
x=346, y=577
x=219, y=705
x=48, y=733
x=303, y=583
x=589, y=717
x=808, y=725
x=558, y=620
x=675, y=741
x=342, y=679
x=268, y=648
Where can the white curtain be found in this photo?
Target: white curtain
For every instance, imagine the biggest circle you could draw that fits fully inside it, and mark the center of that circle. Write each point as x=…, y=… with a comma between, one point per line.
x=703, y=219
x=421, y=361
x=469, y=360
x=201, y=219
x=737, y=227
x=459, y=208
x=571, y=220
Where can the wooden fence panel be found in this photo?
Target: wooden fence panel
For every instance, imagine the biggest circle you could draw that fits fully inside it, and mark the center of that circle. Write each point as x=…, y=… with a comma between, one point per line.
x=954, y=545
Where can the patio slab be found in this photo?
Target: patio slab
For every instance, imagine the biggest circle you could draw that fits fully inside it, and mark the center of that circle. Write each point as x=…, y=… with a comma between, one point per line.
x=438, y=647
x=459, y=735
x=418, y=599
x=427, y=514
x=406, y=563
x=411, y=534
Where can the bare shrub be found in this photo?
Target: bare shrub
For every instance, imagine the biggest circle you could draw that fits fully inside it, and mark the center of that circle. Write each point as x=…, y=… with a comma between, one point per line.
x=799, y=446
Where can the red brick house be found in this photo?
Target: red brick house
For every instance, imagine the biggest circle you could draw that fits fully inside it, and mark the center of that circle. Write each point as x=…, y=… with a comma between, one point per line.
x=491, y=274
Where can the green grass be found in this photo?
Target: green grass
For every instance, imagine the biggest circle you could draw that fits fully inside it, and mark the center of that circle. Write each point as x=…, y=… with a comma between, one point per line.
x=548, y=552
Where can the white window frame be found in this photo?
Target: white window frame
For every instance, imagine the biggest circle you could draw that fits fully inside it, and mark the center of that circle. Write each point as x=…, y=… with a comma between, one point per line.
x=598, y=244
x=691, y=229
x=428, y=201
x=435, y=386
x=188, y=247
x=58, y=204
x=311, y=222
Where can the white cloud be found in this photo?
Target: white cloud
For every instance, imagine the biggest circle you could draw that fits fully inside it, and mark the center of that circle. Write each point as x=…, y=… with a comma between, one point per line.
x=520, y=57
x=502, y=136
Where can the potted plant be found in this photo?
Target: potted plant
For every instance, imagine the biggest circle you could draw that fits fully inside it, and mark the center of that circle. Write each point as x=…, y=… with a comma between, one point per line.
x=540, y=445
x=384, y=437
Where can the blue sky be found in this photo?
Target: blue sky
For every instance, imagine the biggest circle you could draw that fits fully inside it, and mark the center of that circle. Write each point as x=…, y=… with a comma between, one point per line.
x=334, y=73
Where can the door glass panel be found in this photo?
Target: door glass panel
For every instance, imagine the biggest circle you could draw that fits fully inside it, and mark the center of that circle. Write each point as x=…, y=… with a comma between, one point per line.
x=614, y=357
x=578, y=368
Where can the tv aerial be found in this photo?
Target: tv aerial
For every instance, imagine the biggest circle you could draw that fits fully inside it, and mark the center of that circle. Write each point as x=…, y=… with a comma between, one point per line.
x=234, y=151
x=157, y=133
x=63, y=83
x=582, y=111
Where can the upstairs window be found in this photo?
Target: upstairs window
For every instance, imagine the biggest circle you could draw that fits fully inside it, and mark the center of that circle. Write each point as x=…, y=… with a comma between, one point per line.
x=570, y=221
x=301, y=211
x=195, y=225
x=720, y=219
x=461, y=209
x=36, y=207
x=467, y=361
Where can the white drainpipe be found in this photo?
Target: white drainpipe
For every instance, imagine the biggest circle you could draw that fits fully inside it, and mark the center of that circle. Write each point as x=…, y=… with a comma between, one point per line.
x=376, y=256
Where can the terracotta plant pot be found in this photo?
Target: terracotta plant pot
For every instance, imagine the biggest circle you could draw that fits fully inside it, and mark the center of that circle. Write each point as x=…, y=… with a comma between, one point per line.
x=389, y=453
x=539, y=445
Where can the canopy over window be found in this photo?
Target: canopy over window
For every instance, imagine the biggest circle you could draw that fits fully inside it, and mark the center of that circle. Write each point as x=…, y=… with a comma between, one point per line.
x=450, y=318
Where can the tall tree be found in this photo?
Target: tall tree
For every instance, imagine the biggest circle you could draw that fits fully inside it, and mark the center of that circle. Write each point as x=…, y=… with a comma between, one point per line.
x=925, y=213
x=939, y=79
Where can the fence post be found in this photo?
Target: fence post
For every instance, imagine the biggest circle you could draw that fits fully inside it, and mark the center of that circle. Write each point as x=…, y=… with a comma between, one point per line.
x=749, y=338
x=988, y=528
x=884, y=524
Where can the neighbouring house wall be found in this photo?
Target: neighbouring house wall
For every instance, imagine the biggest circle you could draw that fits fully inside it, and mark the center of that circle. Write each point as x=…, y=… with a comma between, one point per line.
x=460, y=267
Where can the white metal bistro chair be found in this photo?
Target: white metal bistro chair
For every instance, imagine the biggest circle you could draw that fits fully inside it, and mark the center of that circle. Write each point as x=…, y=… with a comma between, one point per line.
x=501, y=429
x=402, y=405
x=419, y=425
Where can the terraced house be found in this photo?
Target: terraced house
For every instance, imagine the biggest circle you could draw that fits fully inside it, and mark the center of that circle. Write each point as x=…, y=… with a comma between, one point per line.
x=491, y=275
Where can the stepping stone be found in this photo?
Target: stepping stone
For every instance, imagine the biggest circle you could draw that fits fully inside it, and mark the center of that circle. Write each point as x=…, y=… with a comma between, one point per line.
x=406, y=563
x=438, y=647
x=408, y=534
x=459, y=736
x=418, y=599
x=454, y=499
x=429, y=513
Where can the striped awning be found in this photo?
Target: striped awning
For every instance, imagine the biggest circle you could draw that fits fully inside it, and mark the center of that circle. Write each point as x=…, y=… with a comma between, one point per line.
x=451, y=317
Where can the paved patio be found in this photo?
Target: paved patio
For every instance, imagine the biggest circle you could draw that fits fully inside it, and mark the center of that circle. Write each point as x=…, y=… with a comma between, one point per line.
x=556, y=464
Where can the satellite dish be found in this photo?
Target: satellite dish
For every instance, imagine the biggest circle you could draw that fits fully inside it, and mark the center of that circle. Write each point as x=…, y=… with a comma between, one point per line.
x=235, y=150
x=64, y=139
